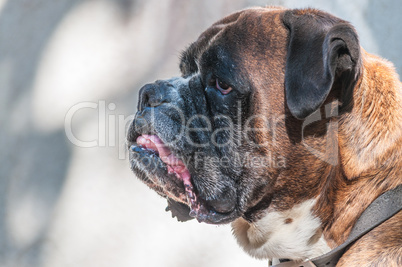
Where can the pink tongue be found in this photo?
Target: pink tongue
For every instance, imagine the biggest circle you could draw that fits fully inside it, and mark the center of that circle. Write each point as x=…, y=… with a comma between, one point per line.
x=174, y=164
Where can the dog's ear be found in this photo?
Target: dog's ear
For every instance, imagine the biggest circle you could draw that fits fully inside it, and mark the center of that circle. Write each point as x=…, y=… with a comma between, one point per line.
x=321, y=49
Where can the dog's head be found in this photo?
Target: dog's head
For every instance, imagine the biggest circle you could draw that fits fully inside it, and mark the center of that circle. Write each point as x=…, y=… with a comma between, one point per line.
x=224, y=139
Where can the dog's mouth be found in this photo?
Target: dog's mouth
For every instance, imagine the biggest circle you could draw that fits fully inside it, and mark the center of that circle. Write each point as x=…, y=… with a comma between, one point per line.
x=174, y=166
x=173, y=180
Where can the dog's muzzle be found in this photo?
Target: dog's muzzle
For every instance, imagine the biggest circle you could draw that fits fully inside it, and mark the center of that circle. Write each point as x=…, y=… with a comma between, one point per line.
x=162, y=157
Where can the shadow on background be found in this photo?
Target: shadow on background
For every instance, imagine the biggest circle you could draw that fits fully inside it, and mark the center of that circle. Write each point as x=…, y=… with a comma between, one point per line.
x=383, y=18
x=33, y=164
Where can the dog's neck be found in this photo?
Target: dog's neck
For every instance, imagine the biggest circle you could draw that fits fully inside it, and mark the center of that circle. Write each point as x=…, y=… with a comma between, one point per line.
x=366, y=137
x=307, y=218
x=374, y=126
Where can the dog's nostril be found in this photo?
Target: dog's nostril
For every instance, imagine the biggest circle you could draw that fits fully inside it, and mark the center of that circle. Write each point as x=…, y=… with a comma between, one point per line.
x=152, y=99
x=145, y=99
x=154, y=95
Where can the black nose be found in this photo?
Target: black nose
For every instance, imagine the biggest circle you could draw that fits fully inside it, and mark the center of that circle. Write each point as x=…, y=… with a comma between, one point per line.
x=154, y=94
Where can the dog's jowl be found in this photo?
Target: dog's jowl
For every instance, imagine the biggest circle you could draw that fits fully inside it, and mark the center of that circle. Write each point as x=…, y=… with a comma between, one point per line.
x=282, y=125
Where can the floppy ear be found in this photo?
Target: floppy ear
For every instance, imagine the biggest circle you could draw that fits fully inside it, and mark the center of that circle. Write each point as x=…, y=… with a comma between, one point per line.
x=321, y=50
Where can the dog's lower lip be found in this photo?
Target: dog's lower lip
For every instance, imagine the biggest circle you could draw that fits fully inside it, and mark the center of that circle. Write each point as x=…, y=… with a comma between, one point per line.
x=199, y=208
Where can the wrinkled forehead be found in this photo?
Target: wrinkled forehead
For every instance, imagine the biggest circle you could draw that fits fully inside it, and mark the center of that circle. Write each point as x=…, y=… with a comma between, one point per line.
x=241, y=30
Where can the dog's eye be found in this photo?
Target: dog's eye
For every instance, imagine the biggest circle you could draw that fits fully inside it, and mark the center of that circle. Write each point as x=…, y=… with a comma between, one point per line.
x=223, y=87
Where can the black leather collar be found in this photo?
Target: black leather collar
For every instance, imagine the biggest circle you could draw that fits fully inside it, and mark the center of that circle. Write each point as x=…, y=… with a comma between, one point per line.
x=380, y=210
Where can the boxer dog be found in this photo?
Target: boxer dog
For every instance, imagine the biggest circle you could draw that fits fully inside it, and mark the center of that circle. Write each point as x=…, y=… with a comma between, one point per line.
x=282, y=125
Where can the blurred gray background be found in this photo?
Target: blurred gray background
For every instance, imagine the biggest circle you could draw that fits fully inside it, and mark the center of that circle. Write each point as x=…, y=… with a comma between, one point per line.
x=68, y=205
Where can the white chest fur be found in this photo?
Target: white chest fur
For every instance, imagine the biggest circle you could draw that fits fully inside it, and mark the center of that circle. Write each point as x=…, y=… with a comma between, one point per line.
x=292, y=234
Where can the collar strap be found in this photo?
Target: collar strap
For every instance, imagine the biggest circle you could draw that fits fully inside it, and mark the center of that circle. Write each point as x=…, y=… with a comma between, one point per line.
x=380, y=210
